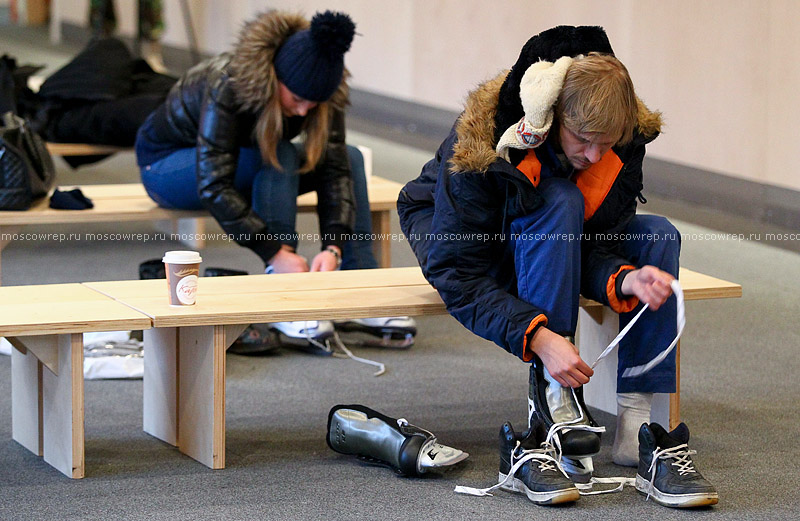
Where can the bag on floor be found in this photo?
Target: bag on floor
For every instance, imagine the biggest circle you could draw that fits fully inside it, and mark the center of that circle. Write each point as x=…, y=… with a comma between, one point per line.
x=26, y=168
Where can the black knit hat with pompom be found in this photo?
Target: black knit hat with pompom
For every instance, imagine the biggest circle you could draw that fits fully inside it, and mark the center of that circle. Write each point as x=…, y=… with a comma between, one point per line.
x=311, y=62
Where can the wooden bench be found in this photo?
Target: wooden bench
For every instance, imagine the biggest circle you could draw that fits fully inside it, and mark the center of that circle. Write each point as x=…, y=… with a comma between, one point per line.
x=47, y=364
x=130, y=202
x=184, y=394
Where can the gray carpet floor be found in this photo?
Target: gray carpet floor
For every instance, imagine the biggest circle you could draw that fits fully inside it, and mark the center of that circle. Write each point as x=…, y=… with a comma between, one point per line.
x=739, y=398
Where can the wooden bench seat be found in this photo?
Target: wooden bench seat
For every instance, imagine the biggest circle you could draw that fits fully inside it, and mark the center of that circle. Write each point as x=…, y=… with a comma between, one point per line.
x=184, y=395
x=130, y=202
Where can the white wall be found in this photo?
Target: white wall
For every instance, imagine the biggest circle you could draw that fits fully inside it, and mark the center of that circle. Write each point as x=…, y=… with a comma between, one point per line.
x=723, y=72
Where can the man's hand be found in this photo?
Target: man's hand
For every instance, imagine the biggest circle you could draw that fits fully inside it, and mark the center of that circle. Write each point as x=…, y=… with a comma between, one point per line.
x=325, y=260
x=561, y=358
x=650, y=284
x=287, y=261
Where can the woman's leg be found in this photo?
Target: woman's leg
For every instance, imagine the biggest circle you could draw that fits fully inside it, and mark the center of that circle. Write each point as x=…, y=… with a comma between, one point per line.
x=274, y=194
x=172, y=182
x=357, y=252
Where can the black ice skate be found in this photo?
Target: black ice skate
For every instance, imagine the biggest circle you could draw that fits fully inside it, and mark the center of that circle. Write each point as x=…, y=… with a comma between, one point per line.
x=666, y=471
x=563, y=407
x=376, y=438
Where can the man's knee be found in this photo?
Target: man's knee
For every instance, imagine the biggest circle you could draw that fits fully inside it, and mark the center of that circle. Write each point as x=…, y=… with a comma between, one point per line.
x=563, y=196
x=660, y=228
x=562, y=211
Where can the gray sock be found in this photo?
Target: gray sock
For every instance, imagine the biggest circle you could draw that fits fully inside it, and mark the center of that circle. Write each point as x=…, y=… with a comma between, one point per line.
x=633, y=409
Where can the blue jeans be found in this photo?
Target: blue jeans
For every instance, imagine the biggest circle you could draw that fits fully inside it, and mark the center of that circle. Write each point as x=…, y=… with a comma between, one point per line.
x=171, y=182
x=547, y=258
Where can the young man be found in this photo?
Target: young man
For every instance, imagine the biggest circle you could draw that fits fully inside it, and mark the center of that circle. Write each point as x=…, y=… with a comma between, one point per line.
x=530, y=202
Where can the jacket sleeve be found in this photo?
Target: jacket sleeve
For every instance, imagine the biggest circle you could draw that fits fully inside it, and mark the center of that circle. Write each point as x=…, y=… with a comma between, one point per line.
x=218, y=140
x=335, y=199
x=465, y=246
x=603, y=257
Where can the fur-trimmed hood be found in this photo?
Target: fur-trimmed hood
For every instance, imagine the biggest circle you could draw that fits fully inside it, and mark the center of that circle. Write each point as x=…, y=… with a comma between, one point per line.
x=252, y=65
x=495, y=105
x=475, y=148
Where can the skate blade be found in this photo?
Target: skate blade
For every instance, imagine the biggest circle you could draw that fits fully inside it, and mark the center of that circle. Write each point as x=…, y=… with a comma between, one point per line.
x=387, y=341
x=314, y=346
x=436, y=456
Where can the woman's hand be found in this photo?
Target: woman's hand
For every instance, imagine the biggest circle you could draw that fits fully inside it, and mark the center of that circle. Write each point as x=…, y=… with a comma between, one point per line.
x=561, y=358
x=326, y=260
x=650, y=284
x=287, y=261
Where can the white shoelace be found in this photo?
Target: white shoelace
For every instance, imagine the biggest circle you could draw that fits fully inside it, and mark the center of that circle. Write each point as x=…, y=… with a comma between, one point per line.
x=644, y=368
x=543, y=455
x=381, y=367
x=550, y=451
x=326, y=346
x=680, y=453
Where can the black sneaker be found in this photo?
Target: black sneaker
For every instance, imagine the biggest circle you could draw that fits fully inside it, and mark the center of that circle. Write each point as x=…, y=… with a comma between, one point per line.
x=666, y=470
x=536, y=471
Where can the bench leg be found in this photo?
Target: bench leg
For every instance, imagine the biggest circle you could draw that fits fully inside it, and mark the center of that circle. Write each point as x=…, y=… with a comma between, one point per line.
x=184, y=389
x=159, y=387
x=47, y=399
x=595, y=332
x=26, y=400
x=381, y=230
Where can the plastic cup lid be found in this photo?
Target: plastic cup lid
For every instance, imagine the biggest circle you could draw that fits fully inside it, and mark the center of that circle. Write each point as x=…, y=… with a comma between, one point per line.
x=182, y=257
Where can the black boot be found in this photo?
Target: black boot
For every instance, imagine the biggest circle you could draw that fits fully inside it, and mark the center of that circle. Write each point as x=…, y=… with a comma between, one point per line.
x=539, y=477
x=666, y=470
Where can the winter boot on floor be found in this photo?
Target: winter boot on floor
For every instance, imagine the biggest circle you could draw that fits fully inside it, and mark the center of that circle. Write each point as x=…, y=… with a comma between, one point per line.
x=390, y=332
x=666, y=471
x=578, y=433
x=536, y=472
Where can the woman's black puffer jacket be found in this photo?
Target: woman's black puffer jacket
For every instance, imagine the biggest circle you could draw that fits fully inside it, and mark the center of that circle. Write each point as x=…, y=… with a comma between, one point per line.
x=205, y=111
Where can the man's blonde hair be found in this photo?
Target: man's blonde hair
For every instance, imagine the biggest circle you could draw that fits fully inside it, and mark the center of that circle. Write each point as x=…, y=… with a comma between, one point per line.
x=598, y=97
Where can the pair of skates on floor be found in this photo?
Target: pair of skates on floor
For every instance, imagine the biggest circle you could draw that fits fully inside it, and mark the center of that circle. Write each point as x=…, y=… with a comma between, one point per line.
x=322, y=336
x=551, y=462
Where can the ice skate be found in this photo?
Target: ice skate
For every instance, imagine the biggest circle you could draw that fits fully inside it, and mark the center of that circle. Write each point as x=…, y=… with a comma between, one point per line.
x=386, y=332
x=564, y=414
x=311, y=336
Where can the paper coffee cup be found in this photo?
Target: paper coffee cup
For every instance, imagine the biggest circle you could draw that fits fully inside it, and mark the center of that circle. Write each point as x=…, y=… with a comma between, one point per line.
x=183, y=268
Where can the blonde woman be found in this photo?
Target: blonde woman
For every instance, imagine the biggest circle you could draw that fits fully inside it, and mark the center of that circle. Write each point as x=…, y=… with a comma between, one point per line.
x=223, y=140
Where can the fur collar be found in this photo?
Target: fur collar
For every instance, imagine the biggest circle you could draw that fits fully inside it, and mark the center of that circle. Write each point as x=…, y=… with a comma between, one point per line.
x=474, y=150
x=252, y=65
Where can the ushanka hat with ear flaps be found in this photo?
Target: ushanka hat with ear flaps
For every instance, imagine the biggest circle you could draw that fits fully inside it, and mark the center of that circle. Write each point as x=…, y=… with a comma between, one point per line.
x=547, y=46
x=311, y=62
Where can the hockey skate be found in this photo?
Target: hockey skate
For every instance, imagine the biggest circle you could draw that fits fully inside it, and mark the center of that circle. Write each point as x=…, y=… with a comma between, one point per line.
x=311, y=336
x=376, y=438
x=564, y=414
x=387, y=332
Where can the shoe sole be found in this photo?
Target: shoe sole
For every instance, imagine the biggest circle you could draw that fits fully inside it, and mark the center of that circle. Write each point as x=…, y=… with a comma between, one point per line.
x=552, y=497
x=698, y=499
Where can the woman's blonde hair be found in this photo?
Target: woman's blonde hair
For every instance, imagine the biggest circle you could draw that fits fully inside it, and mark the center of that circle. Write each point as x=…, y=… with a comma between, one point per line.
x=598, y=97
x=269, y=131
